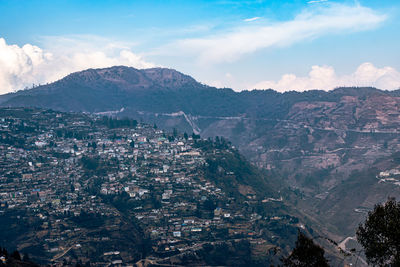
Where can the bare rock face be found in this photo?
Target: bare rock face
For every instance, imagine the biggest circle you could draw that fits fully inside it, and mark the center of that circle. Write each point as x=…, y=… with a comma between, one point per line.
x=334, y=137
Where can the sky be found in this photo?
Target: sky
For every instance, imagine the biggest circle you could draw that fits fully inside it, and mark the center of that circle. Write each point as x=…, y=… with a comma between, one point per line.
x=284, y=45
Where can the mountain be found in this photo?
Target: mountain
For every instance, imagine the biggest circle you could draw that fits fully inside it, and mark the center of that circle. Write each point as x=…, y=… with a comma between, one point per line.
x=100, y=89
x=319, y=143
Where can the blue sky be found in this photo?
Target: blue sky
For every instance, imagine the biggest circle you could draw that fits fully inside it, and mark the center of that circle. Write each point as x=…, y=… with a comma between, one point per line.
x=286, y=45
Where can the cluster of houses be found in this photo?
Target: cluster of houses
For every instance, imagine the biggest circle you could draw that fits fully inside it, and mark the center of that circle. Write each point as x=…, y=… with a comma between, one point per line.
x=62, y=165
x=390, y=176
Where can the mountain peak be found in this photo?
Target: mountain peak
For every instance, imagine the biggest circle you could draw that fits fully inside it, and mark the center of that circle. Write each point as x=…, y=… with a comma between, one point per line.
x=131, y=78
x=357, y=91
x=168, y=77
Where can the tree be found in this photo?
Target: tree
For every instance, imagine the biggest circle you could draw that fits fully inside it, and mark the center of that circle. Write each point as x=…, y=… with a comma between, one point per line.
x=16, y=255
x=380, y=234
x=305, y=254
x=195, y=136
x=26, y=258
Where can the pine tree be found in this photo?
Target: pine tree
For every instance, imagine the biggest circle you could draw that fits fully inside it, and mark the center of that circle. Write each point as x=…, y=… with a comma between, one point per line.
x=380, y=234
x=305, y=254
x=16, y=255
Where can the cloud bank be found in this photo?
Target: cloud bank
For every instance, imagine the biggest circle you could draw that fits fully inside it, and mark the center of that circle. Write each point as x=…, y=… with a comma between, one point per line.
x=311, y=23
x=325, y=78
x=23, y=66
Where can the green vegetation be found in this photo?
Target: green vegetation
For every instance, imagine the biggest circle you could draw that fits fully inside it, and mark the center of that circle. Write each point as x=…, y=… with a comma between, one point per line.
x=14, y=259
x=380, y=234
x=229, y=169
x=113, y=123
x=305, y=254
x=89, y=220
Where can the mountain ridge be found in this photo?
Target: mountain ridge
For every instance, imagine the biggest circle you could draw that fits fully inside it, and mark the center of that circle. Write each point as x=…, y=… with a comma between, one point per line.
x=128, y=78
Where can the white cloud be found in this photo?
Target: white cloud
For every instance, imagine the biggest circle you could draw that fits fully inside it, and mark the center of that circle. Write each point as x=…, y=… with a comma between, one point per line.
x=325, y=78
x=29, y=64
x=17, y=62
x=311, y=23
x=217, y=84
x=316, y=1
x=251, y=19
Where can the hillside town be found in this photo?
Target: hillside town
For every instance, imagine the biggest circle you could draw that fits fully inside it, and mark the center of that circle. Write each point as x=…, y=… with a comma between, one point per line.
x=84, y=185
